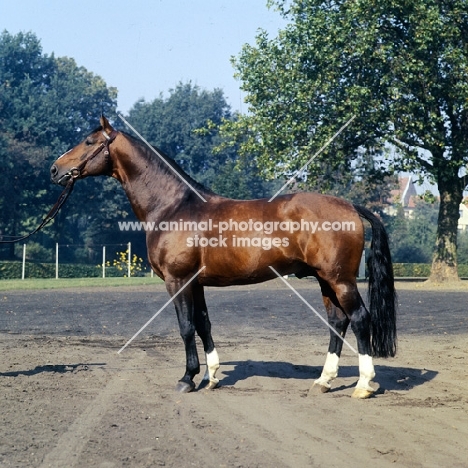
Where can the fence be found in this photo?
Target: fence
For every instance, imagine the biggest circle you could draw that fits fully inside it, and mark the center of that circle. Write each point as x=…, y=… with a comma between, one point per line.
x=123, y=265
x=16, y=269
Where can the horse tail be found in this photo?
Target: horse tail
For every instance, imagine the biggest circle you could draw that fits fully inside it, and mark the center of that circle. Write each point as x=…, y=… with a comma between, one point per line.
x=381, y=294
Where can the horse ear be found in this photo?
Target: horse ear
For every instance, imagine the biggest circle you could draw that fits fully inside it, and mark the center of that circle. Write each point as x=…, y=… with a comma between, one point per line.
x=105, y=124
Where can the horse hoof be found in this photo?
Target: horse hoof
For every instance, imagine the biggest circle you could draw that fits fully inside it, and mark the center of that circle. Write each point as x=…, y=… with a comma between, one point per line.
x=207, y=384
x=362, y=393
x=211, y=385
x=184, y=387
x=319, y=388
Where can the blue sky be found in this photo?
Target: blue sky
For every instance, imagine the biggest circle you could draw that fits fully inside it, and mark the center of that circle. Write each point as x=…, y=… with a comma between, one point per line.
x=146, y=47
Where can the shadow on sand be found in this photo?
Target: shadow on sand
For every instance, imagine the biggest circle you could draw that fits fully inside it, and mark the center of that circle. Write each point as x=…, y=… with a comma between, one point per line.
x=59, y=368
x=389, y=378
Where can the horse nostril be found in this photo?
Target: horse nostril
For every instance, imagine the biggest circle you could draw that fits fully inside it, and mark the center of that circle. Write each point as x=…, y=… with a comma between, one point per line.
x=53, y=170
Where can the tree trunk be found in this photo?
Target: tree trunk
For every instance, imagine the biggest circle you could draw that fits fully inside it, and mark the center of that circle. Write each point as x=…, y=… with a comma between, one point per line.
x=444, y=262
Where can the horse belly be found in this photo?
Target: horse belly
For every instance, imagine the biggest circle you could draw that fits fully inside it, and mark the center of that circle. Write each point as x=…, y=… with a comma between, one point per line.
x=239, y=264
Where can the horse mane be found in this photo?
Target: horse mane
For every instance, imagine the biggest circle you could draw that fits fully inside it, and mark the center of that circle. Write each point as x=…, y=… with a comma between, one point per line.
x=154, y=159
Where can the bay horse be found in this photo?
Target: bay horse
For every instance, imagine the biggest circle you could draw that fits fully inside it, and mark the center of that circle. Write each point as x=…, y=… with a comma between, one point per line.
x=234, y=242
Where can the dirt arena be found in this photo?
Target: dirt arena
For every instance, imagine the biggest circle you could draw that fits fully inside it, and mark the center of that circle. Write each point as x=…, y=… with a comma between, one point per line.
x=67, y=399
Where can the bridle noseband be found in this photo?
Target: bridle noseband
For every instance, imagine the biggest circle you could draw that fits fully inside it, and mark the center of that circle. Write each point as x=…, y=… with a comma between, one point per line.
x=75, y=172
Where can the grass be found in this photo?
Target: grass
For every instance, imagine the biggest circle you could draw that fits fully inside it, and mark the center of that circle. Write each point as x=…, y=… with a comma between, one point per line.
x=52, y=283
x=61, y=283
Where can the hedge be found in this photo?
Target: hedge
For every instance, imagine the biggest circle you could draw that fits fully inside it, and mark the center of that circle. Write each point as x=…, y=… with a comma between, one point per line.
x=421, y=270
x=411, y=270
x=12, y=270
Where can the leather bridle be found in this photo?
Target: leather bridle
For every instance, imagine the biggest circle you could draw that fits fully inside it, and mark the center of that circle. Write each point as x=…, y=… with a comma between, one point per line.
x=75, y=172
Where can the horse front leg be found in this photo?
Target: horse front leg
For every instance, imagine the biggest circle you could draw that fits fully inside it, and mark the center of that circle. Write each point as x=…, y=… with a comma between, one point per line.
x=203, y=328
x=184, y=305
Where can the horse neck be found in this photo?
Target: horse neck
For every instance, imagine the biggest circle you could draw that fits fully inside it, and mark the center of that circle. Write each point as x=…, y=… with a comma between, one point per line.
x=153, y=190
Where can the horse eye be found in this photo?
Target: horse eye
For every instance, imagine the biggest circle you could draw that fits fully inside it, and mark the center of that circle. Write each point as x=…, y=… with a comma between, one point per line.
x=88, y=143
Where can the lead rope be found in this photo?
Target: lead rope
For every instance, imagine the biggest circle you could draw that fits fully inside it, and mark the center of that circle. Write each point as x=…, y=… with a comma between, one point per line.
x=50, y=215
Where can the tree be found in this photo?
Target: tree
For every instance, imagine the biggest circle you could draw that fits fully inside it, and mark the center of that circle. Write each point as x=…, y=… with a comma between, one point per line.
x=400, y=67
x=47, y=104
x=412, y=238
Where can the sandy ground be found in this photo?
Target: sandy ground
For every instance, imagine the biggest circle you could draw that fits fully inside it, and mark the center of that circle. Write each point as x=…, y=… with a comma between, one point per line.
x=67, y=399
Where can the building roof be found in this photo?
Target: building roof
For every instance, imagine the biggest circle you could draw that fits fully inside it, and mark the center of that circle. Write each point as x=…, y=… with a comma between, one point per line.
x=405, y=193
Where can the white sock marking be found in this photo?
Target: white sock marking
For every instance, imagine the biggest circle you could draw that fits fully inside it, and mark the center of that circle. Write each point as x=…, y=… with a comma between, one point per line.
x=212, y=365
x=330, y=370
x=366, y=372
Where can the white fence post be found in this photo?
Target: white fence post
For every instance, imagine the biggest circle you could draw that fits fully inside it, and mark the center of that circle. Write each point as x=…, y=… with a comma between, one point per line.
x=362, y=265
x=104, y=261
x=23, y=269
x=56, y=261
x=129, y=269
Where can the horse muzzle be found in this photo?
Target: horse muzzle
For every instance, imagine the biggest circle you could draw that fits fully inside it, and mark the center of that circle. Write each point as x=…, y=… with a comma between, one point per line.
x=62, y=178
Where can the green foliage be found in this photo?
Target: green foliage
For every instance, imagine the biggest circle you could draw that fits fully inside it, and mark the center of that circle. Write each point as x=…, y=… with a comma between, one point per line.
x=38, y=253
x=411, y=270
x=118, y=268
x=412, y=238
x=12, y=270
x=463, y=248
x=421, y=270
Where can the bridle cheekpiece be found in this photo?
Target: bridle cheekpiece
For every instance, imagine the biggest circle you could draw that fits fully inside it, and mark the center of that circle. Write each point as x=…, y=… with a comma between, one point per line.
x=75, y=172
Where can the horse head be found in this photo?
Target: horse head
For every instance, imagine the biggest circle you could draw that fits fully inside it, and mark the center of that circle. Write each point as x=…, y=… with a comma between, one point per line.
x=88, y=158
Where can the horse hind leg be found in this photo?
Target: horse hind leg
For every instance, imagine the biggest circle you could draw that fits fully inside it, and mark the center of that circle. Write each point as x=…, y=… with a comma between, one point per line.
x=338, y=322
x=350, y=300
x=203, y=328
x=360, y=324
x=345, y=306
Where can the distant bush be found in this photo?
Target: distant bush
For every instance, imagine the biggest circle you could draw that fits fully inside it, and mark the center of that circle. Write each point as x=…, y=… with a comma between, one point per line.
x=421, y=270
x=120, y=264
x=411, y=270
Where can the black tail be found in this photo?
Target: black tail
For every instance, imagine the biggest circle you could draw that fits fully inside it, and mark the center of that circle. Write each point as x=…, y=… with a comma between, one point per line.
x=382, y=295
